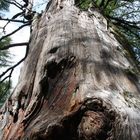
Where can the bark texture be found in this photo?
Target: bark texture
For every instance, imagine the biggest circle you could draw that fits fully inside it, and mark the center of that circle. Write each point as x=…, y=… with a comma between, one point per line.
x=74, y=83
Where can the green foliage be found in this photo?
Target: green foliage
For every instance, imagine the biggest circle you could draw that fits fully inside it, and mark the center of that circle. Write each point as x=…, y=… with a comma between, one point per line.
x=4, y=62
x=83, y=4
x=4, y=91
x=4, y=54
x=4, y=5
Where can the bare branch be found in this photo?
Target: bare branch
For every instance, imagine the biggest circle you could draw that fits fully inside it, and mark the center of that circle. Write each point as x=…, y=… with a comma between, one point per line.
x=14, y=17
x=129, y=23
x=12, y=68
x=17, y=15
x=14, y=45
x=25, y=6
x=128, y=13
x=122, y=20
x=13, y=20
x=15, y=31
x=128, y=29
x=9, y=76
x=18, y=6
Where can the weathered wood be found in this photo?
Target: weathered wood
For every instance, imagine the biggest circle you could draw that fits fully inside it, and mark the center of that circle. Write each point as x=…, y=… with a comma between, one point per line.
x=74, y=83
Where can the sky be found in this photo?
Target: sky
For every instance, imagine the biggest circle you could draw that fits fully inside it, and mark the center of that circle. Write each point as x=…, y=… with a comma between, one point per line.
x=21, y=36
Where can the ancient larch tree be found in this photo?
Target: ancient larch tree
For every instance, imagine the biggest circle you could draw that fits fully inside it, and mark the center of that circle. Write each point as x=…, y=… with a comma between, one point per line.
x=76, y=82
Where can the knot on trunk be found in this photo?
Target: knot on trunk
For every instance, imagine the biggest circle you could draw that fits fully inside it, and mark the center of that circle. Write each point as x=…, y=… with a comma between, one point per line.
x=97, y=121
x=85, y=123
x=93, y=125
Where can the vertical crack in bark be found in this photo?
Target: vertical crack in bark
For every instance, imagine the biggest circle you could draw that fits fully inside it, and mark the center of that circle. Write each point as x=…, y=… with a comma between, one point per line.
x=40, y=99
x=51, y=70
x=35, y=110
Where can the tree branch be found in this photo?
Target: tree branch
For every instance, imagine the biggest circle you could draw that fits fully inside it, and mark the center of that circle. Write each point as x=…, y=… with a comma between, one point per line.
x=18, y=6
x=129, y=23
x=14, y=45
x=128, y=13
x=12, y=68
x=9, y=76
x=128, y=29
x=15, y=31
x=12, y=20
x=14, y=17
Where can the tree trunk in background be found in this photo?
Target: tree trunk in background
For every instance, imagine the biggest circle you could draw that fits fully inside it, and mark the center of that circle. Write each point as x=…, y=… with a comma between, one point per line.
x=75, y=83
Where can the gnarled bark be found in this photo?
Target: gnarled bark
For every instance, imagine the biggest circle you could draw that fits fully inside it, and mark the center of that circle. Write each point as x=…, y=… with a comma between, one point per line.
x=74, y=83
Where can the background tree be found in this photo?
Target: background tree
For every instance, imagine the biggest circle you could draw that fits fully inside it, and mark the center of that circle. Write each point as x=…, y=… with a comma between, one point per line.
x=4, y=91
x=4, y=5
x=5, y=44
x=4, y=59
x=77, y=81
x=4, y=62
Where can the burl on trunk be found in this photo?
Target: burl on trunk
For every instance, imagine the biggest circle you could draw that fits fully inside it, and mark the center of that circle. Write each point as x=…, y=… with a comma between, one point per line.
x=75, y=83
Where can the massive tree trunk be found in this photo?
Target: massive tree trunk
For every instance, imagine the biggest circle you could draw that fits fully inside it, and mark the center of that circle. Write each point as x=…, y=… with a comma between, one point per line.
x=75, y=83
